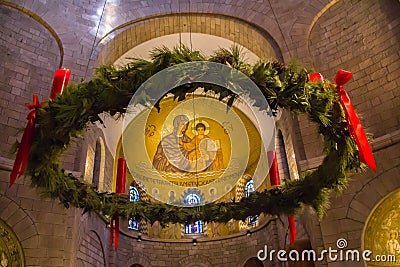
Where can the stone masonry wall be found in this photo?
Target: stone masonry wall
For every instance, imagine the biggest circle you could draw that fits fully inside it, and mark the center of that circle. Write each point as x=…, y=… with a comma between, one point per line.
x=29, y=55
x=360, y=36
x=363, y=37
x=231, y=251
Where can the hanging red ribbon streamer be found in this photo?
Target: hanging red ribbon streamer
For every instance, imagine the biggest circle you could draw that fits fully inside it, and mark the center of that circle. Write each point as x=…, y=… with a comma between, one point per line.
x=275, y=180
x=61, y=78
x=292, y=229
x=353, y=122
x=111, y=231
x=120, y=189
x=26, y=142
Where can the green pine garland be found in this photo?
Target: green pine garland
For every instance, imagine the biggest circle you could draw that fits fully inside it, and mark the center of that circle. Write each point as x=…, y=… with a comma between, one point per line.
x=110, y=91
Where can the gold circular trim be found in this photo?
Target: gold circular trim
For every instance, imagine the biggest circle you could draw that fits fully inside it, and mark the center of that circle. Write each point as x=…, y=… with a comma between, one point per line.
x=14, y=240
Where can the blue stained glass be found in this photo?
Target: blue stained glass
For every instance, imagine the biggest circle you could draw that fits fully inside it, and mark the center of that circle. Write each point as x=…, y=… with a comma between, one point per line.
x=133, y=194
x=133, y=224
x=133, y=197
x=192, y=199
x=194, y=228
x=197, y=227
x=252, y=220
x=248, y=189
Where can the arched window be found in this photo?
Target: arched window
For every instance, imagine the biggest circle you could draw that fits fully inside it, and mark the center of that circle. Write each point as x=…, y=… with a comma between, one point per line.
x=133, y=197
x=282, y=158
x=197, y=227
x=96, y=165
x=248, y=189
x=133, y=194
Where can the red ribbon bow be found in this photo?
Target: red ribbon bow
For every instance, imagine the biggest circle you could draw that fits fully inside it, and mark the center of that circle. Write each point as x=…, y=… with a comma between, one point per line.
x=26, y=142
x=353, y=122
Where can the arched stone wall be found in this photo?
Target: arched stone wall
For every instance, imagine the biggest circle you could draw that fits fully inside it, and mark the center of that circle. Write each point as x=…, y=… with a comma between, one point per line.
x=22, y=225
x=83, y=159
x=219, y=251
x=367, y=46
x=346, y=36
x=348, y=213
x=195, y=261
x=29, y=55
x=134, y=33
x=91, y=250
x=138, y=258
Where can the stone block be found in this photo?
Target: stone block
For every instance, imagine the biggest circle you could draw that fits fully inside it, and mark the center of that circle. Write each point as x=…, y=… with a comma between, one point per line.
x=9, y=211
x=32, y=242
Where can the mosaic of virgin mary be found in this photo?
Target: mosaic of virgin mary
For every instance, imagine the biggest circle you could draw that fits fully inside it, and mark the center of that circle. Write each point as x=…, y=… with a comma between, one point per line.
x=177, y=152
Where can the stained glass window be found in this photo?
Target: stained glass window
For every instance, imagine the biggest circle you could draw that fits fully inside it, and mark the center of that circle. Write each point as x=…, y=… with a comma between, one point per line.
x=133, y=194
x=133, y=197
x=197, y=227
x=248, y=189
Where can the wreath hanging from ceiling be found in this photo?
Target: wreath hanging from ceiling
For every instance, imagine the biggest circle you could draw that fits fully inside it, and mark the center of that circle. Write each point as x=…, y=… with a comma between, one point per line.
x=57, y=124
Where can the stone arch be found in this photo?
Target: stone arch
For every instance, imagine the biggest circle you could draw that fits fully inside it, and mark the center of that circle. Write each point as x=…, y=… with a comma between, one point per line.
x=370, y=195
x=253, y=262
x=286, y=126
x=41, y=21
x=368, y=47
x=283, y=161
x=133, y=33
x=91, y=249
x=138, y=259
x=20, y=221
x=195, y=261
x=95, y=156
x=29, y=55
x=99, y=163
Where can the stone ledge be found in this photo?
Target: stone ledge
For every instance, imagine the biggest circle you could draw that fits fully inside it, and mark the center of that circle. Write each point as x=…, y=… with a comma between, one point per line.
x=6, y=164
x=386, y=140
x=377, y=144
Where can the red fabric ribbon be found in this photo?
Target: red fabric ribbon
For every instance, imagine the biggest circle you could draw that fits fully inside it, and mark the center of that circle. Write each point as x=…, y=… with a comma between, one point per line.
x=26, y=142
x=120, y=189
x=275, y=180
x=114, y=232
x=353, y=122
x=111, y=231
x=292, y=229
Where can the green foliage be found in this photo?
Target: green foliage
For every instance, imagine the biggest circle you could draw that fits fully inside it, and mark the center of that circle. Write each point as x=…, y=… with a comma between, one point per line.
x=110, y=91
